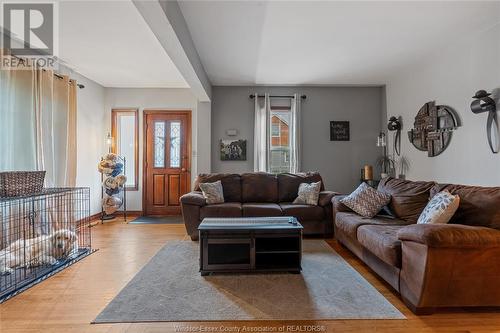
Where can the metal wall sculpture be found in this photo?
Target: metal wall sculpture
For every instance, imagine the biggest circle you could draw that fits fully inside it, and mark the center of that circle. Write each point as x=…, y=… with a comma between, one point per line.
x=395, y=126
x=433, y=128
x=483, y=103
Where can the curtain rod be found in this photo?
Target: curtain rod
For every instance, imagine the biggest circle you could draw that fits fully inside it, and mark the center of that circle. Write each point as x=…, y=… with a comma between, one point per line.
x=277, y=96
x=59, y=76
x=79, y=85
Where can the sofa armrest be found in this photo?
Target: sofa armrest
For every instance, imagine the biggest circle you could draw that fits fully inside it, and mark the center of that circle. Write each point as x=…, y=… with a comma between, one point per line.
x=193, y=198
x=450, y=236
x=339, y=206
x=325, y=198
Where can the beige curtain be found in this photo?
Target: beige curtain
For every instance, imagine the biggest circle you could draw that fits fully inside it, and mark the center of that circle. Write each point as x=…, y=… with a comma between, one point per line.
x=55, y=113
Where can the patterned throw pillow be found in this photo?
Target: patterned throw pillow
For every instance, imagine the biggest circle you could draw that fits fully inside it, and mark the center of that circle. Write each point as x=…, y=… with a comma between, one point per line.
x=366, y=201
x=440, y=208
x=212, y=192
x=308, y=194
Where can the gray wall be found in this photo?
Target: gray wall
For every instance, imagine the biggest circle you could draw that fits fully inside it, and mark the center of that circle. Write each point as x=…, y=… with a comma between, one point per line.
x=451, y=76
x=338, y=162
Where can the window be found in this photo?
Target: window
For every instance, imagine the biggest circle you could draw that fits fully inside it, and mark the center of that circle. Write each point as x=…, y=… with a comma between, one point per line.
x=275, y=128
x=159, y=142
x=125, y=131
x=279, y=160
x=277, y=134
x=175, y=144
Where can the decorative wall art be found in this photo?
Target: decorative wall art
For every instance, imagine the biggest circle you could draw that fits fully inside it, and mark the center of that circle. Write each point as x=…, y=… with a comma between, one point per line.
x=395, y=126
x=484, y=103
x=339, y=131
x=233, y=150
x=433, y=128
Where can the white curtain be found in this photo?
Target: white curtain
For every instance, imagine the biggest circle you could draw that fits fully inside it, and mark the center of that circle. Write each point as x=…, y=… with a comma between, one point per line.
x=295, y=134
x=261, y=144
x=38, y=124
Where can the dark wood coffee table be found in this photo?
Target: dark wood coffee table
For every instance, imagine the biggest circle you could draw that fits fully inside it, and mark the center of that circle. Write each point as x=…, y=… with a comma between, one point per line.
x=262, y=244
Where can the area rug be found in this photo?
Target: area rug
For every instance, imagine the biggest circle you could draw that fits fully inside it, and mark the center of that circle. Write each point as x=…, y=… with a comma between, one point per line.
x=157, y=220
x=170, y=288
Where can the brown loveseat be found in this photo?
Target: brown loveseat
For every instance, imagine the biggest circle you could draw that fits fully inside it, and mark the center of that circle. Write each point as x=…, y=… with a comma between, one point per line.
x=451, y=265
x=259, y=195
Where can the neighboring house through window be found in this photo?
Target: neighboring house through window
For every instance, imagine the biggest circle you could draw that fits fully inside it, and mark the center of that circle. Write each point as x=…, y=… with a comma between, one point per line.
x=280, y=143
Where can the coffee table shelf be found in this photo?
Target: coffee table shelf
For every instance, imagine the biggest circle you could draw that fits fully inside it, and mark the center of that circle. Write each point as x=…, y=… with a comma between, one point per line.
x=250, y=245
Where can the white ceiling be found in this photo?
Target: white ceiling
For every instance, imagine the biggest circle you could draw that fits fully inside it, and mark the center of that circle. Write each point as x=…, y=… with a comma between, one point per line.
x=110, y=43
x=260, y=42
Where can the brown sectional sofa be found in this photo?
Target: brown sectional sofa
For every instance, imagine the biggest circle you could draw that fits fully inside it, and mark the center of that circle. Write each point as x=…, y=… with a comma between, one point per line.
x=451, y=265
x=259, y=195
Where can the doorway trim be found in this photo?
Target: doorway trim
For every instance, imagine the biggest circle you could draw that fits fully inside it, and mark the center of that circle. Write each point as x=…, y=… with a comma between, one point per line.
x=189, y=126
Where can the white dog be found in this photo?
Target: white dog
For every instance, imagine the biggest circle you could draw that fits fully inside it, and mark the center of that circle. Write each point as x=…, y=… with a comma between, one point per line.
x=38, y=251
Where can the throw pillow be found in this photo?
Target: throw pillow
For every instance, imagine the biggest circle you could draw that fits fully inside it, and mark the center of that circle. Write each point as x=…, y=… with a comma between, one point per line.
x=440, y=208
x=308, y=194
x=366, y=201
x=213, y=192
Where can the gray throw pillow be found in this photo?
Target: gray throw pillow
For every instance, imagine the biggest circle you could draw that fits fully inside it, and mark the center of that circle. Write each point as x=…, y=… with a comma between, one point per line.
x=366, y=201
x=213, y=192
x=308, y=194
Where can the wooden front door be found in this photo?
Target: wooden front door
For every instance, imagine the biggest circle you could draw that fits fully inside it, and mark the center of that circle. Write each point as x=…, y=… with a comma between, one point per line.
x=167, y=160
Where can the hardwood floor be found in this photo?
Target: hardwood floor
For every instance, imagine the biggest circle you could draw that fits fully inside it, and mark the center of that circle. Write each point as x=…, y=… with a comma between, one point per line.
x=70, y=300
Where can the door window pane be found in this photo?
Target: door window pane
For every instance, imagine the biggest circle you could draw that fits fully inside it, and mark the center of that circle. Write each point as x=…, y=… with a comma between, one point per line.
x=175, y=144
x=159, y=144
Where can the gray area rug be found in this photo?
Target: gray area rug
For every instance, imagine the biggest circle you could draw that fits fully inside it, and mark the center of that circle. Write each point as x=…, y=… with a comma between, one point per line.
x=157, y=220
x=170, y=288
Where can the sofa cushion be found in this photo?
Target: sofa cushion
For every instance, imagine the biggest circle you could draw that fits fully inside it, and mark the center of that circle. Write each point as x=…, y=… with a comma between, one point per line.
x=303, y=212
x=259, y=187
x=366, y=201
x=231, y=184
x=308, y=194
x=440, y=208
x=288, y=184
x=227, y=209
x=382, y=241
x=261, y=209
x=409, y=198
x=479, y=206
x=350, y=222
x=212, y=192
x=194, y=198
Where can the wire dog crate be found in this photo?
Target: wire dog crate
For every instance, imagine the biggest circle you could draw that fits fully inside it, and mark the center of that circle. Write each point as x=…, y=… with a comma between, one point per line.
x=40, y=235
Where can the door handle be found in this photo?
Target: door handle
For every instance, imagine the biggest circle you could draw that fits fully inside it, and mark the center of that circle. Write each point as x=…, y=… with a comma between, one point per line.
x=184, y=170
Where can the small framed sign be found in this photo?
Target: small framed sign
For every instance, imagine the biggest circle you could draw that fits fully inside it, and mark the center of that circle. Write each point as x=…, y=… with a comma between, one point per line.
x=339, y=131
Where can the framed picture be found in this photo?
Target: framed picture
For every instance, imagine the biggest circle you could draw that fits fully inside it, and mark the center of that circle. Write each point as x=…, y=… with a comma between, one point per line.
x=339, y=131
x=233, y=150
